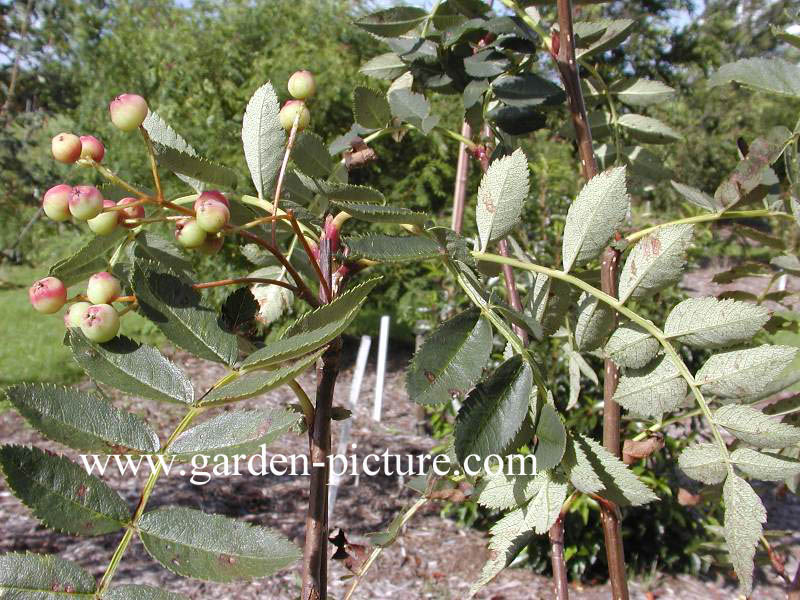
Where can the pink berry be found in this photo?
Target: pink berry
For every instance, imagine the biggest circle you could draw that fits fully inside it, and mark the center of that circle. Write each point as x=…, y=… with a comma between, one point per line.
x=66, y=148
x=212, y=215
x=106, y=221
x=55, y=202
x=291, y=109
x=302, y=85
x=86, y=202
x=103, y=288
x=189, y=234
x=100, y=323
x=212, y=195
x=128, y=111
x=92, y=148
x=211, y=245
x=134, y=212
x=48, y=295
x=75, y=313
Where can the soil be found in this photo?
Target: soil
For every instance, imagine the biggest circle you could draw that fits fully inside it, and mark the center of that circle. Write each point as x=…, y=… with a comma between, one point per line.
x=421, y=563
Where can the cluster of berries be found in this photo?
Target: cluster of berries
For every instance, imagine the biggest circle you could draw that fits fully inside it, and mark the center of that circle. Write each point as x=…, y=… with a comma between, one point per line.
x=97, y=318
x=94, y=313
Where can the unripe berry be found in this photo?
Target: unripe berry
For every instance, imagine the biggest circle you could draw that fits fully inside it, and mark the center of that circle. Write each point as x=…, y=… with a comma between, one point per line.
x=103, y=288
x=92, y=148
x=302, y=85
x=48, y=295
x=66, y=148
x=212, y=215
x=211, y=245
x=128, y=111
x=86, y=202
x=211, y=195
x=55, y=202
x=75, y=313
x=100, y=323
x=105, y=222
x=189, y=234
x=134, y=212
x=290, y=110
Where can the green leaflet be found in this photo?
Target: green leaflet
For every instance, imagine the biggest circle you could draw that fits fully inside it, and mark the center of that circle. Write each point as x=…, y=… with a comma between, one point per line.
x=655, y=262
x=697, y=197
x=744, y=517
x=766, y=466
x=641, y=92
x=652, y=390
x=160, y=250
x=712, y=323
x=413, y=108
x=338, y=309
x=704, y=462
x=61, y=494
x=600, y=35
x=43, y=577
x=82, y=421
x=132, y=368
x=240, y=432
x=773, y=75
x=493, y=412
x=176, y=309
x=754, y=427
x=648, y=130
x=450, y=360
x=387, y=248
x=500, y=491
x=381, y=213
x=501, y=194
x=594, y=216
x=552, y=438
x=370, y=108
x=333, y=190
x=392, y=22
x=592, y=469
x=311, y=155
x=263, y=138
x=593, y=322
x=631, y=346
x=384, y=66
x=212, y=547
x=89, y=259
x=178, y=156
x=739, y=374
x=255, y=383
x=140, y=592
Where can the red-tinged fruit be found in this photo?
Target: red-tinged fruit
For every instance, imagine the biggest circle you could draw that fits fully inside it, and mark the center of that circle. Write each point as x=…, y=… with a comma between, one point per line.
x=189, y=234
x=302, y=85
x=92, y=148
x=212, y=216
x=100, y=323
x=106, y=222
x=86, y=202
x=103, y=288
x=211, y=195
x=74, y=314
x=55, y=202
x=66, y=148
x=290, y=110
x=128, y=111
x=48, y=295
x=133, y=212
x=211, y=245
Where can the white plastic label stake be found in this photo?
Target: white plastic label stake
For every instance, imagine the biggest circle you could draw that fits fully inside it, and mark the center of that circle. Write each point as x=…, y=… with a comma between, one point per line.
x=383, y=342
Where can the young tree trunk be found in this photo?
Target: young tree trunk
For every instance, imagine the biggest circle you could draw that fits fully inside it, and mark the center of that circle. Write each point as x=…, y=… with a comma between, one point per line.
x=568, y=68
x=315, y=555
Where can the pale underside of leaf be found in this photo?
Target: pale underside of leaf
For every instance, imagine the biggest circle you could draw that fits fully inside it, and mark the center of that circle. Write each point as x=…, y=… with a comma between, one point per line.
x=756, y=428
x=631, y=346
x=501, y=194
x=712, y=323
x=653, y=389
x=744, y=517
x=263, y=138
x=739, y=374
x=704, y=462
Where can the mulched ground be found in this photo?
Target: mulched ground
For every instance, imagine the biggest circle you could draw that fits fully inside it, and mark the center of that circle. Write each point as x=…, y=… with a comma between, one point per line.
x=420, y=565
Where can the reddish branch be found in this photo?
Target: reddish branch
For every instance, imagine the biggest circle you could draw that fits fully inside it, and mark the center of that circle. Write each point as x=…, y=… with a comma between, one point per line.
x=564, y=54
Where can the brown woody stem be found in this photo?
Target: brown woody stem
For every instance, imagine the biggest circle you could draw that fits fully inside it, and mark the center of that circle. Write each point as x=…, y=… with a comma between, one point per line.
x=240, y=280
x=315, y=554
x=323, y=282
x=568, y=69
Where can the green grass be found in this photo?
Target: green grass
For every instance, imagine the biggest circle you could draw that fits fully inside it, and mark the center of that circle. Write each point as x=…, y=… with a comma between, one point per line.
x=32, y=348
